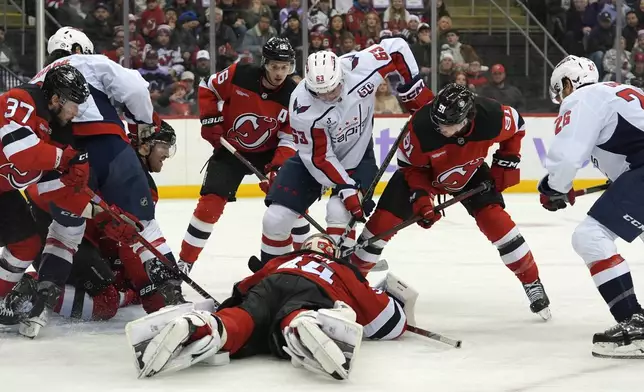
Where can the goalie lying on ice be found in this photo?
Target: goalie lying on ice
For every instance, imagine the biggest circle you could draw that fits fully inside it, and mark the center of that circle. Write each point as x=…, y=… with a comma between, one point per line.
x=306, y=305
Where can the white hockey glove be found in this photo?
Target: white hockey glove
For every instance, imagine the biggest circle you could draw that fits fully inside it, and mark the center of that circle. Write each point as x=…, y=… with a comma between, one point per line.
x=163, y=342
x=326, y=341
x=403, y=292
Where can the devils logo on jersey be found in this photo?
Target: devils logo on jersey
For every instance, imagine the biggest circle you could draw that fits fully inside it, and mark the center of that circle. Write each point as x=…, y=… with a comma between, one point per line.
x=456, y=178
x=252, y=131
x=16, y=178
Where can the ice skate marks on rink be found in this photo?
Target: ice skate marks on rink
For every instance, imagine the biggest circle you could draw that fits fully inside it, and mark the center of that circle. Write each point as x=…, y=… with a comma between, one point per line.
x=465, y=293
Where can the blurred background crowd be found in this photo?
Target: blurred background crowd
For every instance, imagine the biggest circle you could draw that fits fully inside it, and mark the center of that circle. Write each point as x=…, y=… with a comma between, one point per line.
x=502, y=49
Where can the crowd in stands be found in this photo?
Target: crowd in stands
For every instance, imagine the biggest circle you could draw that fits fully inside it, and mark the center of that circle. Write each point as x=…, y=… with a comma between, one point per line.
x=169, y=40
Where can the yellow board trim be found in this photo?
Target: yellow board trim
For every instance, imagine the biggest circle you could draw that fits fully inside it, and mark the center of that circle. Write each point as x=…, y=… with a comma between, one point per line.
x=252, y=190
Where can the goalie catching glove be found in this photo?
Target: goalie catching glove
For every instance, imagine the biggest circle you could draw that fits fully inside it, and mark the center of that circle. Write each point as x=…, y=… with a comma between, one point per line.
x=325, y=341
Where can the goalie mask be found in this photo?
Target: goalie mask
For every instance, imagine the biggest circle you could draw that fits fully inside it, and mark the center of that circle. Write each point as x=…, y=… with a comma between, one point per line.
x=321, y=243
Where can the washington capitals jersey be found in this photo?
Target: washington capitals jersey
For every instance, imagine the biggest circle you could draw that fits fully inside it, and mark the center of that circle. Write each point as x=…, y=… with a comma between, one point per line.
x=24, y=133
x=381, y=316
x=433, y=162
x=333, y=137
x=108, y=82
x=255, y=119
x=603, y=122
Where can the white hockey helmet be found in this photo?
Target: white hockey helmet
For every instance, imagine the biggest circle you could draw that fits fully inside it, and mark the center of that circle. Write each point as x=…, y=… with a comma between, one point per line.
x=65, y=39
x=578, y=70
x=323, y=72
x=321, y=243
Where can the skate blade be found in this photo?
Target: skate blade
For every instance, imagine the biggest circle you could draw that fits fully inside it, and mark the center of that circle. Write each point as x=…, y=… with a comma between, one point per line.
x=545, y=314
x=635, y=350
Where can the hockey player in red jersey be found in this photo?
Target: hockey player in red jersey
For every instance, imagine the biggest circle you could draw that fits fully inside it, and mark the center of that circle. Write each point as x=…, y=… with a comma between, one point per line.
x=33, y=115
x=443, y=152
x=105, y=275
x=307, y=306
x=248, y=106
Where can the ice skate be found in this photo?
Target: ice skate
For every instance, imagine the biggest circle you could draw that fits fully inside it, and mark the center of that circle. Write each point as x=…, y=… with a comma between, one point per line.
x=624, y=340
x=44, y=301
x=18, y=303
x=539, y=301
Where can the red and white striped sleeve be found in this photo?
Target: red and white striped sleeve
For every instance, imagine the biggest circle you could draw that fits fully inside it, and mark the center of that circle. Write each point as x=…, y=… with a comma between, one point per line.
x=383, y=317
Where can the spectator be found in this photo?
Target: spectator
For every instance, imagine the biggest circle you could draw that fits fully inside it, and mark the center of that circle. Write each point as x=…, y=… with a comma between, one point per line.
x=136, y=38
x=462, y=54
x=573, y=39
x=233, y=18
x=556, y=21
x=460, y=77
x=629, y=32
x=251, y=15
x=386, y=102
x=171, y=17
x=189, y=34
x=501, y=91
x=446, y=69
x=99, y=29
x=257, y=36
x=317, y=42
x=158, y=77
x=151, y=18
x=169, y=52
x=395, y=17
x=440, y=7
x=179, y=98
x=293, y=6
x=638, y=71
x=320, y=14
x=202, y=70
x=422, y=50
x=183, y=6
x=226, y=41
x=639, y=45
x=591, y=15
x=444, y=25
x=335, y=32
x=613, y=64
x=293, y=33
x=640, y=13
x=369, y=33
x=411, y=33
x=117, y=11
x=611, y=8
x=348, y=44
x=7, y=57
x=71, y=13
x=475, y=76
x=357, y=13
x=601, y=39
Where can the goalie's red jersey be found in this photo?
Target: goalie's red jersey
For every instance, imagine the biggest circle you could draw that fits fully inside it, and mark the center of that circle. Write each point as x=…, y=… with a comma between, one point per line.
x=381, y=316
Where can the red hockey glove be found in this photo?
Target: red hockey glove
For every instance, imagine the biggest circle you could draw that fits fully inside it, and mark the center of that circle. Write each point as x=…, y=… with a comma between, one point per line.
x=352, y=199
x=414, y=94
x=271, y=172
x=124, y=232
x=505, y=171
x=423, y=205
x=68, y=154
x=213, y=134
x=76, y=172
x=552, y=200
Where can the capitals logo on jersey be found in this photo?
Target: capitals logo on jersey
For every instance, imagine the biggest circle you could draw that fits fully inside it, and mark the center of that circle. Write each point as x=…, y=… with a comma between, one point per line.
x=16, y=178
x=252, y=131
x=456, y=178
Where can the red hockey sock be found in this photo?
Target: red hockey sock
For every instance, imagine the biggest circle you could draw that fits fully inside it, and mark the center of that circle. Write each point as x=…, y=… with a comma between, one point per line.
x=209, y=209
x=239, y=328
x=14, y=260
x=498, y=227
x=78, y=304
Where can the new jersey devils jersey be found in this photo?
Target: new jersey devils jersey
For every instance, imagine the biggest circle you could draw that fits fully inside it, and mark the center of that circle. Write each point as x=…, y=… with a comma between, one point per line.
x=255, y=119
x=24, y=131
x=333, y=137
x=433, y=162
x=381, y=316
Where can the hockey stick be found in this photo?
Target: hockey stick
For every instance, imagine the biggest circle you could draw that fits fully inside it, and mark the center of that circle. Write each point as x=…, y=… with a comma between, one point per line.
x=592, y=189
x=101, y=203
x=262, y=177
x=372, y=188
x=435, y=336
x=485, y=186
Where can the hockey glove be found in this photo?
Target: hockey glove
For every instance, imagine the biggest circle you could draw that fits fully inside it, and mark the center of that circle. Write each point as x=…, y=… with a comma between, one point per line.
x=352, y=198
x=271, y=172
x=120, y=231
x=212, y=134
x=76, y=172
x=423, y=206
x=552, y=200
x=505, y=171
x=414, y=94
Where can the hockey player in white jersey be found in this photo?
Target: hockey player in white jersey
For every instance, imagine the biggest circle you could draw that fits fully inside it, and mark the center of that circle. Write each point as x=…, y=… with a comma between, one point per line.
x=331, y=116
x=603, y=122
x=116, y=173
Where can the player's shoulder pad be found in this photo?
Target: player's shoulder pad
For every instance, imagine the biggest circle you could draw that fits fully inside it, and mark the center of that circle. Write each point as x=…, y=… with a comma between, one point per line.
x=421, y=125
x=489, y=119
x=34, y=96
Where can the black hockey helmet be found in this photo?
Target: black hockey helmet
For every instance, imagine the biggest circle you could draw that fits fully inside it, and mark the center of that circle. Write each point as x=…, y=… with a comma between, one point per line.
x=452, y=105
x=321, y=243
x=163, y=133
x=67, y=83
x=278, y=49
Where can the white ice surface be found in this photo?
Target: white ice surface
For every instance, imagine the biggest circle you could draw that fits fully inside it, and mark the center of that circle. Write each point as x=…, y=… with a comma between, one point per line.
x=465, y=293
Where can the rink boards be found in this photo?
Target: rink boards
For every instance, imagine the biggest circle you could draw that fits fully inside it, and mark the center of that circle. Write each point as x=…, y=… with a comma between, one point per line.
x=181, y=177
